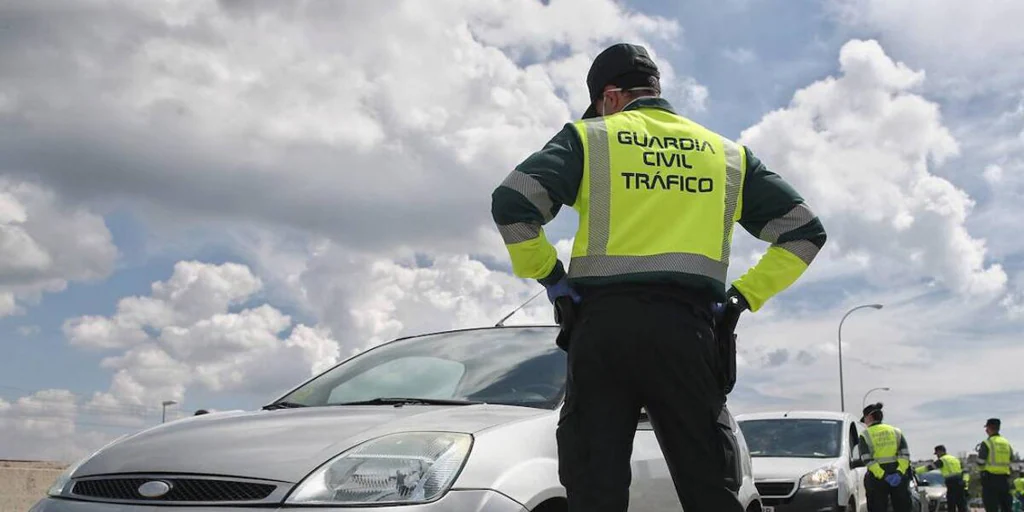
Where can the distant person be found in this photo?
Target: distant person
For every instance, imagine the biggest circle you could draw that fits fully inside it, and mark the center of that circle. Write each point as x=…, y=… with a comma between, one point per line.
x=884, y=451
x=994, y=456
x=1018, y=488
x=952, y=471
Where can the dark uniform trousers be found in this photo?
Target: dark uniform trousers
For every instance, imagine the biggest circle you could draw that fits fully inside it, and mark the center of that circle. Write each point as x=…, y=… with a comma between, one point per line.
x=956, y=495
x=995, y=492
x=632, y=347
x=880, y=494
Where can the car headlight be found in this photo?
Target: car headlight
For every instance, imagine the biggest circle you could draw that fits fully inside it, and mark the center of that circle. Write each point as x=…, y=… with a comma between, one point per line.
x=62, y=481
x=411, y=467
x=823, y=478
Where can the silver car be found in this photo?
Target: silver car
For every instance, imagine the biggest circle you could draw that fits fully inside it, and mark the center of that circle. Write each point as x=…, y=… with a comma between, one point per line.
x=454, y=421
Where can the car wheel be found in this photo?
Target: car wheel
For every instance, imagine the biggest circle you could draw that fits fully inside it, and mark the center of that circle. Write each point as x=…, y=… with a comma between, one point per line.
x=755, y=506
x=852, y=505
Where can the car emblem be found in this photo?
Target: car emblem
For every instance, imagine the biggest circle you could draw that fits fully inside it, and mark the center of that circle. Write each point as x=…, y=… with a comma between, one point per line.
x=154, y=489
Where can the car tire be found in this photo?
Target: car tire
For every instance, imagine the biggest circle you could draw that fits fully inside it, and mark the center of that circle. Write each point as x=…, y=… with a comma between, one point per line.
x=851, y=506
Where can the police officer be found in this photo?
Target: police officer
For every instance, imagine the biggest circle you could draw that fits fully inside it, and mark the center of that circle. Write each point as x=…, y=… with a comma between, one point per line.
x=658, y=196
x=994, y=456
x=884, y=451
x=956, y=499
x=1018, y=488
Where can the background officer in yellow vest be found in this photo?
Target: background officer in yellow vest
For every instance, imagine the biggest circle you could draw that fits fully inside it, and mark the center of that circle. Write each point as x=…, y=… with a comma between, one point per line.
x=884, y=451
x=994, y=457
x=1018, y=488
x=956, y=498
x=657, y=196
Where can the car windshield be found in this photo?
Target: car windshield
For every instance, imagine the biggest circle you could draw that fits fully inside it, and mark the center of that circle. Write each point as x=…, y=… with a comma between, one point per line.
x=513, y=366
x=933, y=478
x=793, y=437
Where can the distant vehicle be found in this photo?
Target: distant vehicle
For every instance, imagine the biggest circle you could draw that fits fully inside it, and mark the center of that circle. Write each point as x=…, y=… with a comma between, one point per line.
x=806, y=460
x=934, y=485
x=452, y=421
x=919, y=496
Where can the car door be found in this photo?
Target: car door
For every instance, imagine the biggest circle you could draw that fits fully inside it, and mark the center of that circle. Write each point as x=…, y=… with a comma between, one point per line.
x=651, y=489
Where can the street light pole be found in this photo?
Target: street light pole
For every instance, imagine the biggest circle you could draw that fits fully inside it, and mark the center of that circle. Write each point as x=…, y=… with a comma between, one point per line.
x=864, y=401
x=842, y=392
x=163, y=412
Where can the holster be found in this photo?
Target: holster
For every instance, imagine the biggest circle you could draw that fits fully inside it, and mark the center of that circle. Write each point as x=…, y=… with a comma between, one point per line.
x=725, y=337
x=565, y=317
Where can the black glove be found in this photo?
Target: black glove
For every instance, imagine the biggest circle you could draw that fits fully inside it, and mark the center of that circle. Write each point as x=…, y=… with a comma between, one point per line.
x=734, y=296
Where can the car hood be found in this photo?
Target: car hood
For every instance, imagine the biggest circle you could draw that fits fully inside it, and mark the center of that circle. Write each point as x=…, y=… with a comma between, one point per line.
x=785, y=468
x=283, y=445
x=935, y=491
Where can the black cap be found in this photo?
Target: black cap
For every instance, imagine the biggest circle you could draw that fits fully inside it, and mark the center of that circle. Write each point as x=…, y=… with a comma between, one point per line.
x=622, y=65
x=870, y=409
x=940, y=448
x=993, y=422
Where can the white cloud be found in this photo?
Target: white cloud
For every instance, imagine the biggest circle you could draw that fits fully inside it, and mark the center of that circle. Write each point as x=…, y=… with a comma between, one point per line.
x=972, y=49
x=44, y=245
x=43, y=426
x=376, y=298
x=194, y=291
x=740, y=55
x=859, y=147
x=309, y=117
x=28, y=330
x=993, y=174
x=185, y=334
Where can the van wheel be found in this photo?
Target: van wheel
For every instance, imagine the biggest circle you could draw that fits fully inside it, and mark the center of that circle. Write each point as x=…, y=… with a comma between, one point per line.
x=852, y=505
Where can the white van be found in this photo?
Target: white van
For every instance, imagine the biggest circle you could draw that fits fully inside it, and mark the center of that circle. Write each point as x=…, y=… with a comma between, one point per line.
x=806, y=460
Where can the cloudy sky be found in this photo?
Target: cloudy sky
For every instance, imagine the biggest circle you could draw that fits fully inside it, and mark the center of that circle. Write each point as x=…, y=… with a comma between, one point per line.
x=208, y=201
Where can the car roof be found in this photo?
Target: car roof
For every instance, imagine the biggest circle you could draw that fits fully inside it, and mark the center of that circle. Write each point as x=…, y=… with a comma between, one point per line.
x=809, y=414
x=470, y=329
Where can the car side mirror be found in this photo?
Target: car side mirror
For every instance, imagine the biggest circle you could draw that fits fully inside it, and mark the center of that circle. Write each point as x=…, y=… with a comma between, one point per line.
x=856, y=463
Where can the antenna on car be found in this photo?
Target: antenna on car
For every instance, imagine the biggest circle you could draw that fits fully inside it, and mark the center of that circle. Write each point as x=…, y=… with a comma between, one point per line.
x=501, y=323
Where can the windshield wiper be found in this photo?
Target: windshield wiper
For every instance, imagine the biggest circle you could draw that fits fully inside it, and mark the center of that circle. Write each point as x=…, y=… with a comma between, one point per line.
x=413, y=401
x=282, y=405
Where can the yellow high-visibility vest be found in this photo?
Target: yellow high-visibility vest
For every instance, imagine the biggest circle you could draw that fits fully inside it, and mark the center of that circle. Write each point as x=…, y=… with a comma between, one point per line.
x=884, y=448
x=653, y=183
x=999, y=454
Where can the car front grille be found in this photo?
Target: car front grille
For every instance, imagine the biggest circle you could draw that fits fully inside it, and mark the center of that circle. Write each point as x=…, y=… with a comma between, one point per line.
x=774, y=489
x=205, y=490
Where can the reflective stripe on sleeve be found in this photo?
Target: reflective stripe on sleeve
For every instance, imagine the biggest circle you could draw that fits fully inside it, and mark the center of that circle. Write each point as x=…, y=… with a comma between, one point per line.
x=518, y=232
x=802, y=249
x=795, y=218
x=532, y=190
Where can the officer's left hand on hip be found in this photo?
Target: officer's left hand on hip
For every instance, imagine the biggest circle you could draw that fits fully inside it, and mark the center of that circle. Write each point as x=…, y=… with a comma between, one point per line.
x=562, y=289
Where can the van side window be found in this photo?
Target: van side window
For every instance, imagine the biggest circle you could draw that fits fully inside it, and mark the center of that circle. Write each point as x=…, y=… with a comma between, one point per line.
x=854, y=440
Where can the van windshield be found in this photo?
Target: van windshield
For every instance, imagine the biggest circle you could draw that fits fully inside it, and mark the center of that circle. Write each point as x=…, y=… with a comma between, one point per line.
x=792, y=437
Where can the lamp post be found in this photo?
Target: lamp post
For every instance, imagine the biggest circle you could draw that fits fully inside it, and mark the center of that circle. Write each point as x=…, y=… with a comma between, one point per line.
x=842, y=394
x=163, y=412
x=864, y=401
